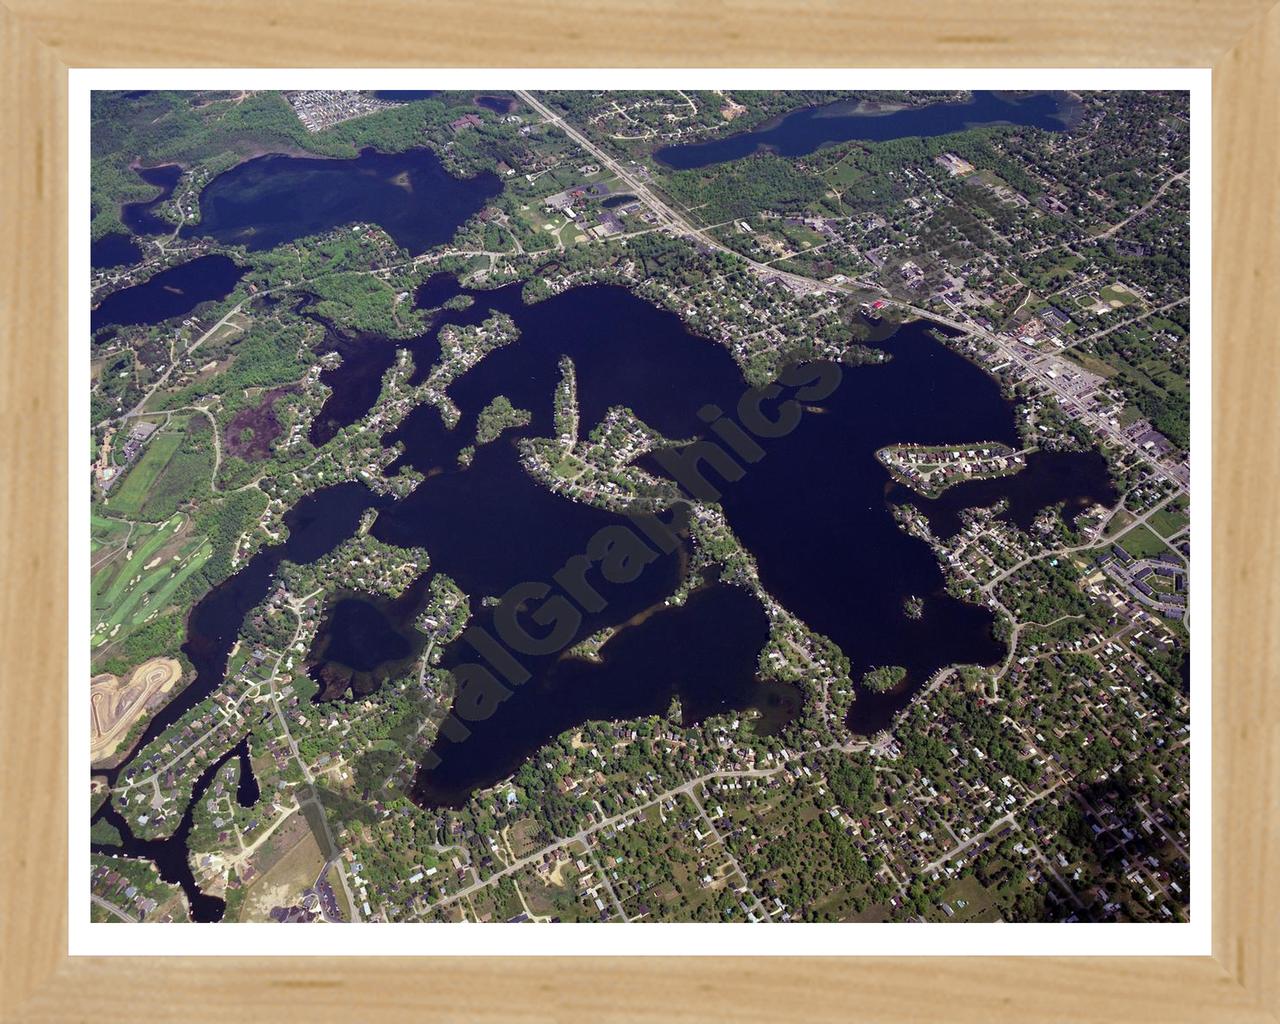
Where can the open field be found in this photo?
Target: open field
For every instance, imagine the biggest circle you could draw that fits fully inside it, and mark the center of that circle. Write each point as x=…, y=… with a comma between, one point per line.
x=1119, y=523
x=1117, y=296
x=969, y=900
x=283, y=882
x=1170, y=519
x=1093, y=364
x=176, y=466
x=1142, y=543
x=114, y=707
x=132, y=492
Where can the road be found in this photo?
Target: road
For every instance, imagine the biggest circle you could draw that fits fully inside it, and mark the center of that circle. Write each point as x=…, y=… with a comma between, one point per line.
x=1118, y=226
x=1008, y=346
x=1007, y=819
x=1124, y=323
x=582, y=835
x=664, y=212
x=732, y=860
x=1098, y=542
x=230, y=714
x=112, y=908
x=1155, y=198
x=686, y=787
x=138, y=409
x=330, y=847
x=1038, y=371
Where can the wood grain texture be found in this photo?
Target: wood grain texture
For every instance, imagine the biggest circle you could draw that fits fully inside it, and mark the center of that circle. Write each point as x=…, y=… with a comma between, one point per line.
x=1246, y=542
x=33, y=511
x=39, y=39
x=651, y=33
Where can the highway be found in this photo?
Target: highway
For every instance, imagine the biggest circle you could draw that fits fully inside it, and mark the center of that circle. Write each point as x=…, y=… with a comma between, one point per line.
x=665, y=213
x=1008, y=346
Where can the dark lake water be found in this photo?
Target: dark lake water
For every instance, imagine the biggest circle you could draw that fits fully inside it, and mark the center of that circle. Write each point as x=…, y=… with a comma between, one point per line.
x=274, y=199
x=356, y=382
x=113, y=250
x=804, y=131
x=171, y=293
x=141, y=218
x=491, y=526
x=364, y=640
x=439, y=288
x=814, y=513
x=704, y=652
x=247, y=788
x=362, y=637
x=405, y=95
x=625, y=352
x=317, y=524
x=628, y=348
x=498, y=104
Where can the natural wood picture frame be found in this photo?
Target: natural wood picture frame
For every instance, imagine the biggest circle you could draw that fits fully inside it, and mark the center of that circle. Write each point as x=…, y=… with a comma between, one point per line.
x=41, y=39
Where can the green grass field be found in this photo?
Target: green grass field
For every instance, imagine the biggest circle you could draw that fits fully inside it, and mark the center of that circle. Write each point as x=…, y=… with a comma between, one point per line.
x=1170, y=519
x=1140, y=542
x=1119, y=523
x=177, y=465
x=968, y=900
x=132, y=491
x=146, y=540
x=1116, y=293
x=187, y=474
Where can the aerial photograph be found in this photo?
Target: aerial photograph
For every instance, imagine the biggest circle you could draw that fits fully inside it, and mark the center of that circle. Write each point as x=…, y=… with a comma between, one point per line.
x=607, y=506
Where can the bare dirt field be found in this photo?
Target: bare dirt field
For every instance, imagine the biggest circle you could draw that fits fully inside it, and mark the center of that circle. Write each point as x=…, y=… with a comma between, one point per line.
x=114, y=706
x=282, y=883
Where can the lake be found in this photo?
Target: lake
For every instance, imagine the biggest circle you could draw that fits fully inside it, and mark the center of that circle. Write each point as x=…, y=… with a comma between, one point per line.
x=405, y=95
x=804, y=131
x=114, y=250
x=1074, y=480
x=171, y=293
x=497, y=104
x=816, y=512
x=704, y=652
x=625, y=352
x=354, y=384
x=317, y=524
x=248, y=791
x=273, y=199
x=365, y=640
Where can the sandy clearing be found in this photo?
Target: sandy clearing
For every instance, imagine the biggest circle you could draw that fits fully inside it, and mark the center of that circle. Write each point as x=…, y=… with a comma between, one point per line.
x=114, y=706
